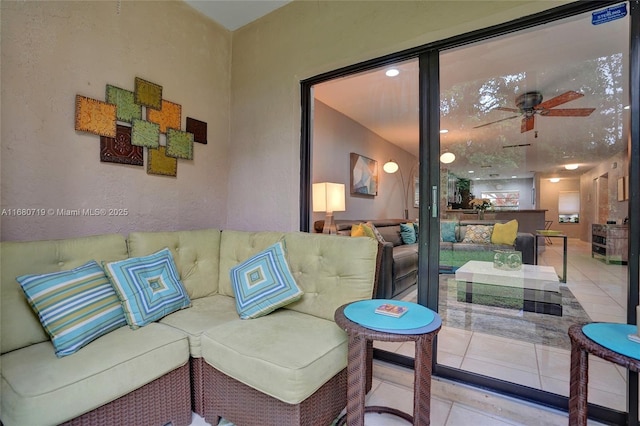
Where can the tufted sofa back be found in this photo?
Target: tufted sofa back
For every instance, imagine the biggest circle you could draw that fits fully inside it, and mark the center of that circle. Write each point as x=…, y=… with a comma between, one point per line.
x=19, y=326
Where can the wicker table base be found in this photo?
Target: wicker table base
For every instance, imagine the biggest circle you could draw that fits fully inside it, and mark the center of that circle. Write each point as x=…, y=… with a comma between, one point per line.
x=581, y=347
x=356, y=371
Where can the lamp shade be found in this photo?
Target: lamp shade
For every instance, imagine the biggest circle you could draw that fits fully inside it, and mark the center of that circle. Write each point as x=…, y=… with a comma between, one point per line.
x=390, y=167
x=328, y=197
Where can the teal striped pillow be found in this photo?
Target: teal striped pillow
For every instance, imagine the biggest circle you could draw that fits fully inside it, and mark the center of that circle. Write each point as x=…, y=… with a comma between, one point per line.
x=263, y=283
x=75, y=307
x=149, y=287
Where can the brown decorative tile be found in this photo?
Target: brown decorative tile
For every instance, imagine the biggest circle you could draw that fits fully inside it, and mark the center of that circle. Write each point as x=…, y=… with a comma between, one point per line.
x=199, y=130
x=119, y=149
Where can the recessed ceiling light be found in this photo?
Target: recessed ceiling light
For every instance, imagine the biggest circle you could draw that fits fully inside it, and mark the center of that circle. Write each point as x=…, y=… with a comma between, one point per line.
x=571, y=166
x=392, y=72
x=471, y=171
x=477, y=178
x=513, y=177
x=443, y=131
x=627, y=107
x=554, y=180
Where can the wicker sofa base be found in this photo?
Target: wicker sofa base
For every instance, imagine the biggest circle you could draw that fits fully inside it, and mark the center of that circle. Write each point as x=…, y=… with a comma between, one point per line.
x=243, y=405
x=165, y=400
x=197, y=386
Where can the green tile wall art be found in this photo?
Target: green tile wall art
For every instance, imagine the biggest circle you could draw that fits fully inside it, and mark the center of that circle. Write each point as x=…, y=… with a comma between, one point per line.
x=145, y=134
x=179, y=144
x=148, y=94
x=132, y=121
x=126, y=108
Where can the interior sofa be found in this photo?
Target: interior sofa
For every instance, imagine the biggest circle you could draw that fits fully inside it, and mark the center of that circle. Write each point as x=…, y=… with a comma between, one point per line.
x=286, y=367
x=399, y=265
x=457, y=251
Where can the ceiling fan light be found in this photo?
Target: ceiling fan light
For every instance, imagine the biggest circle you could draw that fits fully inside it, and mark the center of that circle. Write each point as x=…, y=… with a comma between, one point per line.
x=571, y=166
x=447, y=157
x=390, y=167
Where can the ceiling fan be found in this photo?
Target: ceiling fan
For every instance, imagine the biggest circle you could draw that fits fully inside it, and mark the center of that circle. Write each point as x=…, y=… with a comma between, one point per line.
x=530, y=103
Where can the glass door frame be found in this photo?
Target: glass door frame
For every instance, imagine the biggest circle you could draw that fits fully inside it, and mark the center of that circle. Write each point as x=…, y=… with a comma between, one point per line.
x=429, y=189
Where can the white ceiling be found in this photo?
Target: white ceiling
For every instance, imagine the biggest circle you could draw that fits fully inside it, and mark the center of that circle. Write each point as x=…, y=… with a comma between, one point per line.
x=233, y=14
x=555, y=58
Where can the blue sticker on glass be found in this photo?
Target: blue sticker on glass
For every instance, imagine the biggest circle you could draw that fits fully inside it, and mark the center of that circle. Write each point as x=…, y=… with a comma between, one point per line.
x=609, y=14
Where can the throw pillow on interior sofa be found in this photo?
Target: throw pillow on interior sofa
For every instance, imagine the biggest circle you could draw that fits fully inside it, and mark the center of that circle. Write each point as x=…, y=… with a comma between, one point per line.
x=408, y=233
x=75, y=307
x=505, y=233
x=478, y=234
x=264, y=283
x=377, y=233
x=149, y=287
x=362, y=230
x=448, y=231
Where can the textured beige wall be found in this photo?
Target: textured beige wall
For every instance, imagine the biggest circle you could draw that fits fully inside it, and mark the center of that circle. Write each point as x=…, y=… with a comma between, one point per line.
x=52, y=51
x=305, y=38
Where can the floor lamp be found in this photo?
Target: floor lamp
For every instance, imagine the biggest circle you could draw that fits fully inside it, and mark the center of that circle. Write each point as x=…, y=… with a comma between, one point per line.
x=328, y=197
x=391, y=167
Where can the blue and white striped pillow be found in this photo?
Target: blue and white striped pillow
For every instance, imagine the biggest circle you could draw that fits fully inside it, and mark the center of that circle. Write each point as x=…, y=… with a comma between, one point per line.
x=149, y=287
x=263, y=283
x=75, y=307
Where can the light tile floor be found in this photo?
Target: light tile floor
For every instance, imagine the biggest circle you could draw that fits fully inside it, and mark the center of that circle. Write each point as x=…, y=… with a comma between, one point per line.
x=600, y=289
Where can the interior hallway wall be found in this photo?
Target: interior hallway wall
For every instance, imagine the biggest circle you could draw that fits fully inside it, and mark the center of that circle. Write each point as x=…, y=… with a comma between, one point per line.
x=335, y=136
x=306, y=38
x=53, y=50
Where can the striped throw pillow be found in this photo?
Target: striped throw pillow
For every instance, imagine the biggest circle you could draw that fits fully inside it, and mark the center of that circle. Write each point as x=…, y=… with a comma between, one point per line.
x=149, y=287
x=75, y=307
x=263, y=283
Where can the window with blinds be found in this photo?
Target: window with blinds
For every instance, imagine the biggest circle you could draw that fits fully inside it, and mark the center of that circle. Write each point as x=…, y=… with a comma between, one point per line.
x=569, y=207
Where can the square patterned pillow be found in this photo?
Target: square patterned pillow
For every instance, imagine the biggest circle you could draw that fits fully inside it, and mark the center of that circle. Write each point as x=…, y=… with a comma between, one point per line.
x=263, y=283
x=75, y=307
x=478, y=234
x=376, y=233
x=149, y=287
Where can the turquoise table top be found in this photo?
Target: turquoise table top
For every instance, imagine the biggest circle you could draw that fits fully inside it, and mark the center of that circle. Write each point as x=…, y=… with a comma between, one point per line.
x=417, y=320
x=614, y=337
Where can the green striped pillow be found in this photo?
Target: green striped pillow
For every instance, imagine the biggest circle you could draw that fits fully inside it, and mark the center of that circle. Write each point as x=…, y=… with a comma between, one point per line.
x=75, y=307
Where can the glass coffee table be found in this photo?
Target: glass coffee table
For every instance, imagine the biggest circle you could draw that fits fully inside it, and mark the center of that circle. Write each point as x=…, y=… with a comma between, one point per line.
x=532, y=288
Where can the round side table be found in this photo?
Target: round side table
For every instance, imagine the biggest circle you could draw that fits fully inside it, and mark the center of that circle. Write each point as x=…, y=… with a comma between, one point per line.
x=356, y=370
x=581, y=347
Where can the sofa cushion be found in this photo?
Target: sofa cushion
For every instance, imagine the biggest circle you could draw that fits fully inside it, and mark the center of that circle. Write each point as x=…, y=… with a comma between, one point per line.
x=75, y=307
x=38, y=388
x=263, y=283
x=204, y=313
x=391, y=234
x=196, y=254
x=505, y=233
x=149, y=287
x=301, y=351
x=478, y=234
x=407, y=233
x=20, y=326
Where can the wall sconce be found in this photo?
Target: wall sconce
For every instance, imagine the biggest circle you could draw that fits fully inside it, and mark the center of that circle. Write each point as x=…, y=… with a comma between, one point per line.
x=447, y=157
x=328, y=197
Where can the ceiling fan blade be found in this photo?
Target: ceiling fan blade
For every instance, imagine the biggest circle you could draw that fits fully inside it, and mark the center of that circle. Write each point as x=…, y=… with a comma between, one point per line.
x=559, y=100
x=527, y=124
x=567, y=112
x=507, y=109
x=497, y=121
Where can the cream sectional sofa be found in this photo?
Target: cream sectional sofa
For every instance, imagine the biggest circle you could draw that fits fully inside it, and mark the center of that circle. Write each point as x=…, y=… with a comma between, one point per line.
x=288, y=367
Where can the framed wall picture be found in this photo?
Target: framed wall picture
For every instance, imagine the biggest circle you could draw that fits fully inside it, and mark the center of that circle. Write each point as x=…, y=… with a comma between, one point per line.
x=364, y=175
